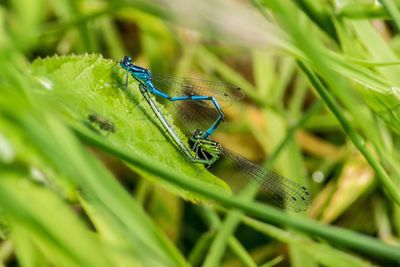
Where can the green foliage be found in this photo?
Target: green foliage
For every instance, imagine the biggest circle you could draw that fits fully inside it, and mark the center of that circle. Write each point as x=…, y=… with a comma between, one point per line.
x=322, y=102
x=97, y=86
x=108, y=204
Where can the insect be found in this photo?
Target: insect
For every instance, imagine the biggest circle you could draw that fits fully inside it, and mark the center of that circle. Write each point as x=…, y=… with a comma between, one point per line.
x=168, y=128
x=102, y=122
x=201, y=149
x=210, y=95
x=282, y=191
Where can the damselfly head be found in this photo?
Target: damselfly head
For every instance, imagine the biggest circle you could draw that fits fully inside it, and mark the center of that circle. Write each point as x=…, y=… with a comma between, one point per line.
x=126, y=62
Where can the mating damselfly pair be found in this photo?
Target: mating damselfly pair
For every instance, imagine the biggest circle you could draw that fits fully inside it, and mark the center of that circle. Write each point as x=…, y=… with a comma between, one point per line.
x=210, y=97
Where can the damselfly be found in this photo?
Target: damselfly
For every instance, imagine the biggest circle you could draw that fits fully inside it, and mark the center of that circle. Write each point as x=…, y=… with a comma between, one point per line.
x=168, y=128
x=203, y=150
x=212, y=96
x=282, y=191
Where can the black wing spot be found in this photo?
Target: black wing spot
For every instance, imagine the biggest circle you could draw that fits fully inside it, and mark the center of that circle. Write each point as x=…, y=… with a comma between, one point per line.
x=303, y=198
x=305, y=190
x=294, y=198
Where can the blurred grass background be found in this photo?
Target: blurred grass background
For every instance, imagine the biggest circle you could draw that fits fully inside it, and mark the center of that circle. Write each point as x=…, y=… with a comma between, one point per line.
x=322, y=107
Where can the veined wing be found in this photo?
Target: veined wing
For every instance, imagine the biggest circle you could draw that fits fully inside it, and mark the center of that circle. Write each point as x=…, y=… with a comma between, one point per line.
x=282, y=191
x=224, y=93
x=191, y=116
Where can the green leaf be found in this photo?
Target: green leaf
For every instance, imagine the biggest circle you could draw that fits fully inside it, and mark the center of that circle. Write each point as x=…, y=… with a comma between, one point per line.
x=35, y=211
x=361, y=11
x=117, y=240
x=62, y=151
x=28, y=255
x=392, y=8
x=322, y=253
x=82, y=85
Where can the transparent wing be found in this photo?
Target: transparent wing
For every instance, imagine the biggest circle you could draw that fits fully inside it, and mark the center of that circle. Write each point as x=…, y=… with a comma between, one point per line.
x=282, y=191
x=192, y=115
x=224, y=93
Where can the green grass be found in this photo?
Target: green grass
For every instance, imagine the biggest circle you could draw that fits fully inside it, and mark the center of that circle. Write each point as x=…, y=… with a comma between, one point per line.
x=322, y=98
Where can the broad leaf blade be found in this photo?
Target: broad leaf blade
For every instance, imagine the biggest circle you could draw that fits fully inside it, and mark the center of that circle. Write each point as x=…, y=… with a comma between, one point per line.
x=84, y=85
